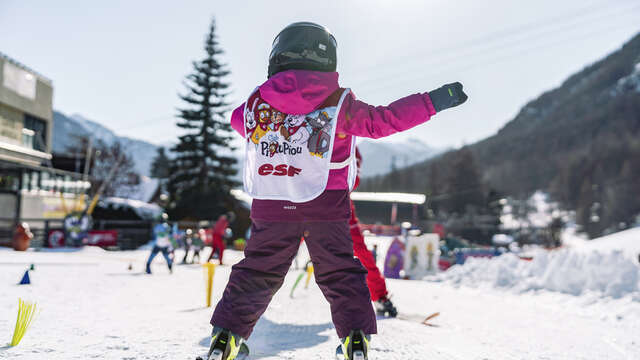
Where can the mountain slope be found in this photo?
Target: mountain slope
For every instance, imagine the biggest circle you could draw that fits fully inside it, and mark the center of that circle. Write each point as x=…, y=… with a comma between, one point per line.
x=66, y=128
x=388, y=154
x=579, y=141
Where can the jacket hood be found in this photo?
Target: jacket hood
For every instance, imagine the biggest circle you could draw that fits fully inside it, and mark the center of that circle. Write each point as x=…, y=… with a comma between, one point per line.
x=298, y=91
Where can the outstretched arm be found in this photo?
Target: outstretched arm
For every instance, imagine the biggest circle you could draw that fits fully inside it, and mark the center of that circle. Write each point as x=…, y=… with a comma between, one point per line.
x=360, y=119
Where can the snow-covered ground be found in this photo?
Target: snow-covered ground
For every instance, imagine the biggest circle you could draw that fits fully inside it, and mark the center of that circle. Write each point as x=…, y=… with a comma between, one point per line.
x=627, y=241
x=92, y=306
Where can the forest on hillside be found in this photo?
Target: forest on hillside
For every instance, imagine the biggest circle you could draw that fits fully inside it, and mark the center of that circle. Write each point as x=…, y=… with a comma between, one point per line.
x=579, y=142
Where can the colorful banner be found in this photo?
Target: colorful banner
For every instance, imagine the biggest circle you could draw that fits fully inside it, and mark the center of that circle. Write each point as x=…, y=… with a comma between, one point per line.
x=102, y=238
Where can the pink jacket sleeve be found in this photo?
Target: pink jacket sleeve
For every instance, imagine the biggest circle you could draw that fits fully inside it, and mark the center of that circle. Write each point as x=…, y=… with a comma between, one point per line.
x=360, y=119
x=237, y=121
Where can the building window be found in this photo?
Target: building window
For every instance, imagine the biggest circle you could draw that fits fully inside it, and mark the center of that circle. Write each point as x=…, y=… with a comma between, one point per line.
x=9, y=182
x=27, y=138
x=39, y=129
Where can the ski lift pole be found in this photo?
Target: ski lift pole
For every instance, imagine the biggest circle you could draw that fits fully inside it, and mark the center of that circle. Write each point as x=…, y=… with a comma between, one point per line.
x=87, y=160
x=103, y=186
x=63, y=203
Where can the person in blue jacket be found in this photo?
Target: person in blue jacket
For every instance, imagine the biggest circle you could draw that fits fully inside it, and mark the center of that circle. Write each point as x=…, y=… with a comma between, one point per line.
x=161, y=242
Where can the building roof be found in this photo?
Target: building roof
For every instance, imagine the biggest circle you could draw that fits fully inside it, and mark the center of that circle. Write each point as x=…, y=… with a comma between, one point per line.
x=392, y=197
x=25, y=67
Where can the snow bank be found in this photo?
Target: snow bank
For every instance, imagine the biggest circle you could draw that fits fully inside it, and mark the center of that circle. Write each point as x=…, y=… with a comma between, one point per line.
x=627, y=241
x=572, y=272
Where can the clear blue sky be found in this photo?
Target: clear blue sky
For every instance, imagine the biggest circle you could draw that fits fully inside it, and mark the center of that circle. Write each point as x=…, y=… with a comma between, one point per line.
x=121, y=63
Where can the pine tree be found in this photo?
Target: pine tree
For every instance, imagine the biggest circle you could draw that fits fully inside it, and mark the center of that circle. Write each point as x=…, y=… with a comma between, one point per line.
x=464, y=185
x=160, y=165
x=202, y=169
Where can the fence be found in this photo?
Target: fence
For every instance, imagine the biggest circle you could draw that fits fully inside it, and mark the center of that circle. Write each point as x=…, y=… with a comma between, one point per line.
x=131, y=233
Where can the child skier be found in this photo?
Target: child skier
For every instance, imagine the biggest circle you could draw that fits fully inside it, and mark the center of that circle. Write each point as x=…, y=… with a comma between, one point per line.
x=300, y=129
x=217, y=246
x=162, y=242
x=197, y=243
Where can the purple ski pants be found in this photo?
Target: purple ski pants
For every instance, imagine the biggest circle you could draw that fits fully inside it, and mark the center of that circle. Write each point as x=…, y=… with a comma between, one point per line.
x=268, y=256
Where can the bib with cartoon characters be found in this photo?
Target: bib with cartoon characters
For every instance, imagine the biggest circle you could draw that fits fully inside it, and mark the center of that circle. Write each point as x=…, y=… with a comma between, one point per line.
x=288, y=156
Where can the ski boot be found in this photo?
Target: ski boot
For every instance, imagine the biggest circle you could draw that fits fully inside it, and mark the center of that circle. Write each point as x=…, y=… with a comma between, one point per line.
x=384, y=307
x=226, y=345
x=353, y=347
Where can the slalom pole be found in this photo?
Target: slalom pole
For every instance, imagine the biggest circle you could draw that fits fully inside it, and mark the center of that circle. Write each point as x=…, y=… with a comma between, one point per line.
x=296, y=284
x=210, y=269
x=309, y=273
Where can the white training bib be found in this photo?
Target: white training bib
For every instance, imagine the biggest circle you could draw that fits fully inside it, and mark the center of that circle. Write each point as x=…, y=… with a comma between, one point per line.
x=288, y=157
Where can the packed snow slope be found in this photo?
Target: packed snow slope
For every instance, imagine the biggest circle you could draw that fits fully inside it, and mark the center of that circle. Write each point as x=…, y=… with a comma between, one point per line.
x=92, y=306
x=627, y=241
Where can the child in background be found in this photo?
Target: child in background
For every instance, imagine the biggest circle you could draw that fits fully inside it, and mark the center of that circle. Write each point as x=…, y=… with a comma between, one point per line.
x=300, y=128
x=187, y=242
x=196, y=244
x=161, y=242
x=217, y=246
x=375, y=282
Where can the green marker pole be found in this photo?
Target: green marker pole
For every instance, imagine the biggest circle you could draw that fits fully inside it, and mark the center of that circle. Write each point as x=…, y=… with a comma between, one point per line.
x=296, y=284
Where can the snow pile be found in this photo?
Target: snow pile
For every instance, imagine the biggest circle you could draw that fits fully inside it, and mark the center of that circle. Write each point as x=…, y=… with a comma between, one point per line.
x=143, y=191
x=142, y=209
x=573, y=272
x=627, y=241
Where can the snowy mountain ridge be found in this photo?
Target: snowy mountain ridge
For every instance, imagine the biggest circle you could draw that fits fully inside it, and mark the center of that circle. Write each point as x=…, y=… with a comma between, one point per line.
x=398, y=153
x=97, y=130
x=404, y=153
x=67, y=128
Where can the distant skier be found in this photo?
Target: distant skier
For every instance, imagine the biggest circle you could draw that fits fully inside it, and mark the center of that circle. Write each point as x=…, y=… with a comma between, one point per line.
x=187, y=243
x=375, y=281
x=217, y=246
x=556, y=226
x=161, y=242
x=300, y=130
x=196, y=244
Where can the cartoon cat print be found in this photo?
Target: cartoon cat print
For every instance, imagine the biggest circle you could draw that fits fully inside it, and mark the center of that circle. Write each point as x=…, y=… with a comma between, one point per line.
x=320, y=139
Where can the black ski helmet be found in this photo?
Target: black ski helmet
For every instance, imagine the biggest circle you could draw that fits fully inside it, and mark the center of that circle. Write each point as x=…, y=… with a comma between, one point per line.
x=303, y=46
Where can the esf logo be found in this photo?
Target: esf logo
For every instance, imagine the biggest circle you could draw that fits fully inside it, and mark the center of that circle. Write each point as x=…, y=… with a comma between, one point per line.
x=278, y=170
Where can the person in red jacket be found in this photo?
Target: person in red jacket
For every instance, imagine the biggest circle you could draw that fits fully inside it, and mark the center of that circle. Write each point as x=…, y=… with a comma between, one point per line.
x=218, y=237
x=375, y=281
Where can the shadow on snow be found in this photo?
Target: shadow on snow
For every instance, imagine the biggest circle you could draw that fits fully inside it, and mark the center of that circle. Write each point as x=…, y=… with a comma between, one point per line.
x=269, y=338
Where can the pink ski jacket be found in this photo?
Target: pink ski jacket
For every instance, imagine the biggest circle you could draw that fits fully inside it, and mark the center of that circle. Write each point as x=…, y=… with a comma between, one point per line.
x=301, y=92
